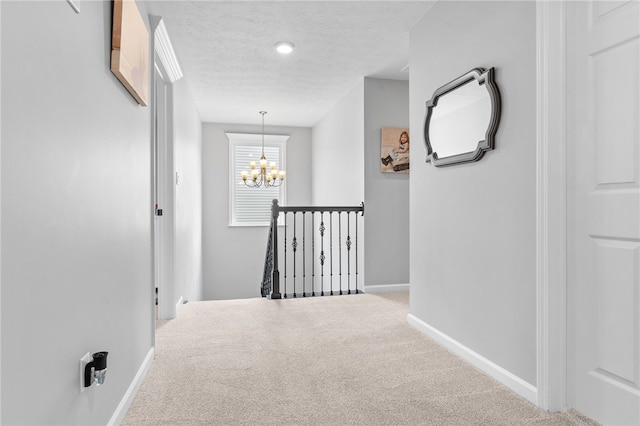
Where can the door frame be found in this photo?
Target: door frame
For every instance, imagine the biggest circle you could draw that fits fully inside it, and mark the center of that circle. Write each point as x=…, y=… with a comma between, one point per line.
x=0, y=228
x=551, y=205
x=164, y=195
x=167, y=65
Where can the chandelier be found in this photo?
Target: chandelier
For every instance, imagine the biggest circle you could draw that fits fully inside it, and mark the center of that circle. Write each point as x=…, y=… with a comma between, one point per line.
x=261, y=176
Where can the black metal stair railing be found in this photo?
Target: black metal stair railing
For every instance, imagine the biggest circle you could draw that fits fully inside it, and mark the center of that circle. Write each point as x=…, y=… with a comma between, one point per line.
x=265, y=286
x=326, y=227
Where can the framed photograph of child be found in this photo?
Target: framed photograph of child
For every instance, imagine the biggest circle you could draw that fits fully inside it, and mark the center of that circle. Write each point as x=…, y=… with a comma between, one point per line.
x=394, y=150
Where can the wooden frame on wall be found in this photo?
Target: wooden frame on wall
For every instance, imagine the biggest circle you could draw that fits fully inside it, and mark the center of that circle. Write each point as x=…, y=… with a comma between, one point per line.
x=130, y=49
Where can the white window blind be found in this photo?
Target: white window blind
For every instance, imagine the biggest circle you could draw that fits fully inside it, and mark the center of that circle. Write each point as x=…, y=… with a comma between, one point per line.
x=252, y=206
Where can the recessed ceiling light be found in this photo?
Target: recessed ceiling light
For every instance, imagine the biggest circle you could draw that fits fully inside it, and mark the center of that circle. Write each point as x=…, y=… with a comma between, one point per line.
x=284, y=47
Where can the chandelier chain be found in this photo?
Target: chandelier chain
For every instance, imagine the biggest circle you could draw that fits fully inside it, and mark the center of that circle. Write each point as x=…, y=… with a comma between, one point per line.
x=262, y=176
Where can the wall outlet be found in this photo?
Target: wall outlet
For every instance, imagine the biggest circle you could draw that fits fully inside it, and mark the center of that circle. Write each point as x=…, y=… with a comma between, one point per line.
x=86, y=359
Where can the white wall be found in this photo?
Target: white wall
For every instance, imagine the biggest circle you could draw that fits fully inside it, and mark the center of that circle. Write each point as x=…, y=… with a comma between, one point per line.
x=0, y=217
x=233, y=257
x=386, y=104
x=346, y=171
x=76, y=215
x=338, y=152
x=473, y=226
x=188, y=164
x=338, y=173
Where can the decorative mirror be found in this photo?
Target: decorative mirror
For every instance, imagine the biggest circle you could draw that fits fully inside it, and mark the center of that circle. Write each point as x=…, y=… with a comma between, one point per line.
x=462, y=119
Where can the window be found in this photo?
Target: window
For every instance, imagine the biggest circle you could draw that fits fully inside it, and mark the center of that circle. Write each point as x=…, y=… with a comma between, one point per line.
x=252, y=206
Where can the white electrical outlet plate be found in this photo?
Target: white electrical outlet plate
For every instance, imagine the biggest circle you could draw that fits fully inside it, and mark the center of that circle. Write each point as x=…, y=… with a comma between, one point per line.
x=86, y=359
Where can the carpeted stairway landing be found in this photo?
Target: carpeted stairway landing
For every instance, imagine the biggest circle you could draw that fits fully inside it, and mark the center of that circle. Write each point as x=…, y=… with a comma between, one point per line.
x=341, y=360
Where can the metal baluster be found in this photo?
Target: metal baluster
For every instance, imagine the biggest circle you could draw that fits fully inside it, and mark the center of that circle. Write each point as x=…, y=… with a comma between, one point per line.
x=340, y=250
x=331, y=252
x=322, y=228
x=304, y=257
x=313, y=254
x=275, y=277
x=356, y=216
x=348, y=254
x=285, y=255
x=294, y=245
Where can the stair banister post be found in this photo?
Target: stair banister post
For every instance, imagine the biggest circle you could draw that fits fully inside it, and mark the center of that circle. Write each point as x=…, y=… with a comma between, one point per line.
x=275, y=280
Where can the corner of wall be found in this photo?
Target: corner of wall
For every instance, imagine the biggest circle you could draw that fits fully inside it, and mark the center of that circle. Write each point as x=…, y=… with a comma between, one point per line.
x=387, y=224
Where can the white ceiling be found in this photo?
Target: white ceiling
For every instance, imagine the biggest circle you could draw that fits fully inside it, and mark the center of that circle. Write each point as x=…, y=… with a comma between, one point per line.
x=226, y=52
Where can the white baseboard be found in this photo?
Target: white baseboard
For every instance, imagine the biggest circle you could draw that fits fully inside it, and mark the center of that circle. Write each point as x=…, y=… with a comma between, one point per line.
x=510, y=380
x=127, y=399
x=384, y=288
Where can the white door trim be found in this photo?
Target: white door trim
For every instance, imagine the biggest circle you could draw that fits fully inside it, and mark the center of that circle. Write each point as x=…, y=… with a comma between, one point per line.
x=0, y=232
x=551, y=214
x=169, y=71
x=165, y=241
x=164, y=49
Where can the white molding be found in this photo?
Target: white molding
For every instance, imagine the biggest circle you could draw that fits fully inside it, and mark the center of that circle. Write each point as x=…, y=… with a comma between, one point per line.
x=257, y=137
x=513, y=382
x=164, y=49
x=0, y=221
x=385, y=288
x=127, y=399
x=551, y=211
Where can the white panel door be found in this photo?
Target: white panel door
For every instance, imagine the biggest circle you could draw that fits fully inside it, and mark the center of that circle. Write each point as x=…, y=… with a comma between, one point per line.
x=603, y=293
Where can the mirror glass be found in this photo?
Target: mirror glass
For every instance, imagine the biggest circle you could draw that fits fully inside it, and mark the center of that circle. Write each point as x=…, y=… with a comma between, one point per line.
x=460, y=120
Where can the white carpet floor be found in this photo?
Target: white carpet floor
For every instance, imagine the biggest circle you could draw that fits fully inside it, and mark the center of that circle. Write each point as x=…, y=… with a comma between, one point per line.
x=342, y=360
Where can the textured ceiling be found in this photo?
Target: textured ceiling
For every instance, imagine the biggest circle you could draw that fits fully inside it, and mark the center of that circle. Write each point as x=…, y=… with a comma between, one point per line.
x=226, y=52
